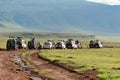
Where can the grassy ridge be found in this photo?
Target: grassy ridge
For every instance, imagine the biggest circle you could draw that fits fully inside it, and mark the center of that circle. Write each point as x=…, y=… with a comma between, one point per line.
x=107, y=60
x=45, y=35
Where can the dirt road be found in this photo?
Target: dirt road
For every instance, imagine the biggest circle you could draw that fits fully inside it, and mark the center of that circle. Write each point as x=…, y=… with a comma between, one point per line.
x=8, y=69
x=59, y=72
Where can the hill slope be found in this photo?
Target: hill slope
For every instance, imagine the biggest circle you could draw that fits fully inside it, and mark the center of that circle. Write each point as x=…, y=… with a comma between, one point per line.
x=60, y=16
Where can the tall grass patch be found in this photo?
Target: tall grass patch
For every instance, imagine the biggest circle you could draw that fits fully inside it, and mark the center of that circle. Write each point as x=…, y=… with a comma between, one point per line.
x=106, y=60
x=3, y=43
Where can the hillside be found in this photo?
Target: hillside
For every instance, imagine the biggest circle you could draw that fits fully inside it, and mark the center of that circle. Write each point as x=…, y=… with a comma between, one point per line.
x=47, y=35
x=60, y=16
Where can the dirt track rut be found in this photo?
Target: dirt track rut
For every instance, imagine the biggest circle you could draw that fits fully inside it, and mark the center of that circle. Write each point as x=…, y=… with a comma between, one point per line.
x=55, y=72
x=46, y=70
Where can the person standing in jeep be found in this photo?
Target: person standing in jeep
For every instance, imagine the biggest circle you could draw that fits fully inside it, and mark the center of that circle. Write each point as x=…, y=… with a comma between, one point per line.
x=10, y=44
x=31, y=43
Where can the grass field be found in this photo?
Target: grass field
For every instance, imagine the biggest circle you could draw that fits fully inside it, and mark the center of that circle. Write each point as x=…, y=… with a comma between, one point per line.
x=3, y=42
x=106, y=61
x=109, y=38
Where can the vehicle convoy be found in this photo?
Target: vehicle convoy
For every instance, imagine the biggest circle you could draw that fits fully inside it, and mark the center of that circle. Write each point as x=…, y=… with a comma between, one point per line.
x=71, y=44
x=10, y=44
x=60, y=45
x=95, y=44
x=79, y=45
x=49, y=45
x=14, y=43
x=34, y=44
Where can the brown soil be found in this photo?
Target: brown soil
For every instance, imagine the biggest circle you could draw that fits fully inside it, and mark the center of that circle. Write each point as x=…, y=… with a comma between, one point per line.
x=8, y=68
x=44, y=68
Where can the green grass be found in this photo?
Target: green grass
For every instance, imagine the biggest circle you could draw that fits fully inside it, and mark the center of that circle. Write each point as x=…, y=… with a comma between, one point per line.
x=107, y=60
x=24, y=54
x=109, y=38
x=3, y=42
x=29, y=64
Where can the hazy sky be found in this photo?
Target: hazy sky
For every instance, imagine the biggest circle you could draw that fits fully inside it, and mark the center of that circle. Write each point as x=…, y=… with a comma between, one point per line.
x=108, y=2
